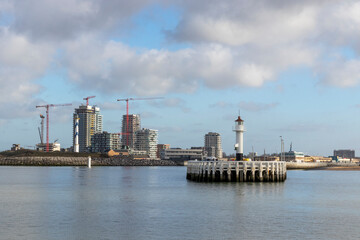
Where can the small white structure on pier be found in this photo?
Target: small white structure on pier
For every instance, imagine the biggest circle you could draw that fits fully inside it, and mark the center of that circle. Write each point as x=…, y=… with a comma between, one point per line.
x=239, y=145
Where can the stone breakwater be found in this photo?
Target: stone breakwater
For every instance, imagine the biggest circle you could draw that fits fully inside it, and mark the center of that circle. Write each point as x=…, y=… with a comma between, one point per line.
x=318, y=165
x=82, y=161
x=304, y=165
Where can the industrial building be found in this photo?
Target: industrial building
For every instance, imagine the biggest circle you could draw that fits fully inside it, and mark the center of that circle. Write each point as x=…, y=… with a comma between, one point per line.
x=129, y=126
x=213, y=145
x=90, y=122
x=146, y=140
x=182, y=154
x=344, y=153
x=105, y=141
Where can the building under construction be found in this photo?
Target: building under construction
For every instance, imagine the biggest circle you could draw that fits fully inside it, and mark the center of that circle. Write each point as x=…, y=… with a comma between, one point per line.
x=129, y=126
x=90, y=122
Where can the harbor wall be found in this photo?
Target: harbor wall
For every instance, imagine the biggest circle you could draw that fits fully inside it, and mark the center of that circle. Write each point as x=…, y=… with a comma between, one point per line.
x=304, y=165
x=82, y=161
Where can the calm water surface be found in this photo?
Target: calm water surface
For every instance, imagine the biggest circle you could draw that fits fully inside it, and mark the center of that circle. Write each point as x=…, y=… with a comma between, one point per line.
x=159, y=203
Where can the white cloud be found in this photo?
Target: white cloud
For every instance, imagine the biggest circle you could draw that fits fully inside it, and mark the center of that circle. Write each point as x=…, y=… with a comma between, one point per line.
x=20, y=62
x=256, y=107
x=341, y=73
x=65, y=20
x=171, y=103
x=233, y=44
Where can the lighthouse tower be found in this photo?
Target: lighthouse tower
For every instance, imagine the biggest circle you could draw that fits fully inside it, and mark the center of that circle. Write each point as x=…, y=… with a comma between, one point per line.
x=239, y=145
x=76, y=145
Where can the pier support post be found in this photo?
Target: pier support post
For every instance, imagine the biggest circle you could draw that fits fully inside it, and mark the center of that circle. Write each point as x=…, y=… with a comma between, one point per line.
x=237, y=171
x=260, y=172
x=221, y=172
x=89, y=162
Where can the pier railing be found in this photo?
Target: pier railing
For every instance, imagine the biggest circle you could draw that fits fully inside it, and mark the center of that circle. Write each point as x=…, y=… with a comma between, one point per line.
x=236, y=171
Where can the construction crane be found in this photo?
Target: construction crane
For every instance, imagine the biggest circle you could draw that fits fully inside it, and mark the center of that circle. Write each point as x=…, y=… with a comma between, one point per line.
x=47, y=119
x=127, y=112
x=87, y=99
x=41, y=131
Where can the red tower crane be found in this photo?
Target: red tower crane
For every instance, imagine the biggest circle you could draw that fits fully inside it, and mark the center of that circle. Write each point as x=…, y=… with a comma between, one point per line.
x=87, y=99
x=47, y=119
x=127, y=112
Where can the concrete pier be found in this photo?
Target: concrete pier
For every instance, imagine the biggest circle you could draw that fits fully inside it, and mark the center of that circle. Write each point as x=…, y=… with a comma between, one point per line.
x=236, y=171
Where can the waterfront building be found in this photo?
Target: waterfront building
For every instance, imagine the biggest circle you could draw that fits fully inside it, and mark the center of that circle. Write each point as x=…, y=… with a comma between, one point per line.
x=129, y=127
x=89, y=123
x=182, y=154
x=317, y=159
x=146, y=140
x=264, y=158
x=161, y=147
x=213, y=145
x=344, y=153
x=293, y=156
x=104, y=142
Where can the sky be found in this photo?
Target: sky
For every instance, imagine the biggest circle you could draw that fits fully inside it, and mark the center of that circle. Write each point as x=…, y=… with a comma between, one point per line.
x=290, y=68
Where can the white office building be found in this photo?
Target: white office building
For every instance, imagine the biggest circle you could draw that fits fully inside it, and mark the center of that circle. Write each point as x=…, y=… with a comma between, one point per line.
x=146, y=140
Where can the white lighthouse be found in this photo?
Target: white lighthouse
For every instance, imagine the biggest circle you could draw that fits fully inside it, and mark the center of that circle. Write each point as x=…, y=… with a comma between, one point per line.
x=76, y=145
x=239, y=145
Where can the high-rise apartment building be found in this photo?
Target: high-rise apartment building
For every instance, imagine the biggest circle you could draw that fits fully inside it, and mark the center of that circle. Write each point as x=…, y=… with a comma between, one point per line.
x=213, y=145
x=90, y=122
x=104, y=142
x=129, y=127
x=146, y=140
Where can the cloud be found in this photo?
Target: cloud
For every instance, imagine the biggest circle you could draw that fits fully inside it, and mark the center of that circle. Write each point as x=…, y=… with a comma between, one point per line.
x=114, y=67
x=341, y=73
x=256, y=107
x=21, y=62
x=234, y=43
x=148, y=115
x=302, y=127
x=65, y=20
x=243, y=22
x=277, y=34
x=222, y=105
x=171, y=103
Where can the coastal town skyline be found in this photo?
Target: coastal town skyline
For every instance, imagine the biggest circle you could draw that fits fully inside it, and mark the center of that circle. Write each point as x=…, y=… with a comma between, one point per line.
x=289, y=71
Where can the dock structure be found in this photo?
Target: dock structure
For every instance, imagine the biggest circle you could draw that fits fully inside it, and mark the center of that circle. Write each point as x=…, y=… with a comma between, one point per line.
x=236, y=171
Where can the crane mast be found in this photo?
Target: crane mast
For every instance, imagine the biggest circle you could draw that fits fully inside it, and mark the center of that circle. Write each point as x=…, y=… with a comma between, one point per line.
x=47, y=119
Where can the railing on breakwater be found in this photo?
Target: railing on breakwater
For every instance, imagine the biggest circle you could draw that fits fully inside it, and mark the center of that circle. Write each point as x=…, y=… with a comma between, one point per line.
x=236, y=171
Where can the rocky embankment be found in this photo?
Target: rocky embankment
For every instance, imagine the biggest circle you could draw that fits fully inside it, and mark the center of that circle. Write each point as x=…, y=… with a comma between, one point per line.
x=82, y=161
x=322, y=166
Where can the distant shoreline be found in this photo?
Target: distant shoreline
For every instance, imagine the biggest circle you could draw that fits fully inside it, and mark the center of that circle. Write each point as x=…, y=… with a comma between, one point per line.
x=82, y=161
x=322, y=166
x=63, y=161
x=340, y=168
